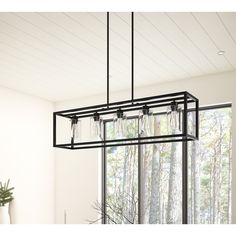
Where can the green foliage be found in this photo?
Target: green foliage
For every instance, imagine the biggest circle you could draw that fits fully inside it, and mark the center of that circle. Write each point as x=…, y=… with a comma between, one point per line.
x=5, y=193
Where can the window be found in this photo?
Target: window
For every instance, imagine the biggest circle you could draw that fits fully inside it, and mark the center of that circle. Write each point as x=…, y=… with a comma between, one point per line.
x=143, y=183
x=210, y=169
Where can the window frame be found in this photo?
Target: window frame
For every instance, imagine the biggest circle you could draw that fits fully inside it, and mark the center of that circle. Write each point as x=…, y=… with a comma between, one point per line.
x=184, y=168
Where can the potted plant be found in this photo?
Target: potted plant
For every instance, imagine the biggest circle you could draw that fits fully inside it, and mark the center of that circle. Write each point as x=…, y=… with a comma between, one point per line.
x=5, y=198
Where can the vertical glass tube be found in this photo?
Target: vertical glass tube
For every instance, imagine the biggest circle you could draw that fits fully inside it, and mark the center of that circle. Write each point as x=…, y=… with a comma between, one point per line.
x=146, y=119
x=174, y=122
x=96, y=126
x=75, y=129
x=120, y=124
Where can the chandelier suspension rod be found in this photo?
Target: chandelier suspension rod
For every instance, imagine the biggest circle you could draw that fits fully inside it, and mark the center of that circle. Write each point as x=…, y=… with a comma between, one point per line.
x=132, y=56
x=108, y=88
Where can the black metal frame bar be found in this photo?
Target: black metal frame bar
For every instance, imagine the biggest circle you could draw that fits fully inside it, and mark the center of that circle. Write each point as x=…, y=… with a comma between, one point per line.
x=184, y=98
x=104, y=173
x=132, y=56
x=108, y=66
x=119, y=104
x=185, y=183
x=139, y=182
x=184, y=168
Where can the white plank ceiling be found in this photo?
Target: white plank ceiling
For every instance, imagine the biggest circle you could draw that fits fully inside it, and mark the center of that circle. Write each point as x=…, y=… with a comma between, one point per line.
x=60, y=56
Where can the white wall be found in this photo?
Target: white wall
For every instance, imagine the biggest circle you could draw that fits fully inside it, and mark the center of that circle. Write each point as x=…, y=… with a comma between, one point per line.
x=77, y=172
x=27, y=156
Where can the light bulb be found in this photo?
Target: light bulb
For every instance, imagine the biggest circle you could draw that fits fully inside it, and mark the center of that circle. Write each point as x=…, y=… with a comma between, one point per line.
x=120, y=124
x=95, y=126
x=75, y=129
x=174, y=118
x=146, y=125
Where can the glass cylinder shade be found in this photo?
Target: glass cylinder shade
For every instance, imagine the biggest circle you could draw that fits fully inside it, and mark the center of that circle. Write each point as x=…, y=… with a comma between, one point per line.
x=96, y=127
x=120, y=124
x=174, y=118
x=75, y=129
x=146, y=122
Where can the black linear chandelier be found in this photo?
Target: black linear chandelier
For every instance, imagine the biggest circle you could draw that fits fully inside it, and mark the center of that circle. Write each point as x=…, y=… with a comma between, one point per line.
x=179, y=110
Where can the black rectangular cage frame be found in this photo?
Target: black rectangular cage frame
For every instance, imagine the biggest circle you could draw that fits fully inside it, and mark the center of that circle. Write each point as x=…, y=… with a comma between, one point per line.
x=183, y=98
